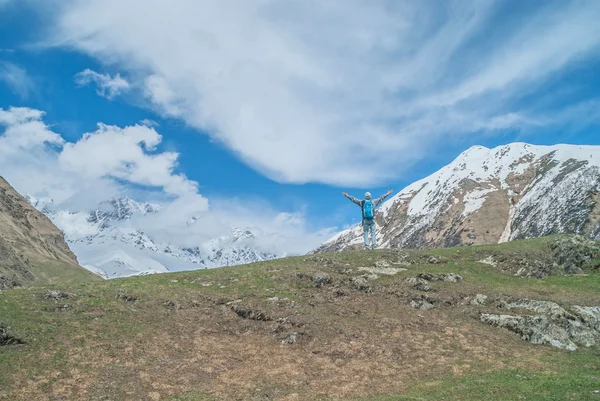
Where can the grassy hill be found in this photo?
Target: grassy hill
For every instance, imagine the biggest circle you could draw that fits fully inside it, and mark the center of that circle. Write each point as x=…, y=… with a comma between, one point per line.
x=364, y=325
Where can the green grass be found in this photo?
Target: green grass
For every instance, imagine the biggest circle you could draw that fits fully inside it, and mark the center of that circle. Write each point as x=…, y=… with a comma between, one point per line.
x=55, y=272
x=575, y=378
x=118, y=333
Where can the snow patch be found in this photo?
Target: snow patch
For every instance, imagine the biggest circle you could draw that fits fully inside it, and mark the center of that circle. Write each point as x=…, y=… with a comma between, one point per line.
x=475, y=199
x=550, y=191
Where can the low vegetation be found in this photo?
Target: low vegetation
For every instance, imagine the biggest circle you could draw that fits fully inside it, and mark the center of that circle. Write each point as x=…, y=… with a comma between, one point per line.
x=363, y=325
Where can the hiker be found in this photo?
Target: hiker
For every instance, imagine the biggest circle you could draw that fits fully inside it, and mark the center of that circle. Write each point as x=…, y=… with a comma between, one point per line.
x=368, y=207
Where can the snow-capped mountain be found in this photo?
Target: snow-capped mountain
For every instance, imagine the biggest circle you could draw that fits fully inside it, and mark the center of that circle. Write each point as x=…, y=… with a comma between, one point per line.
x=492, y=195
x=107, y=241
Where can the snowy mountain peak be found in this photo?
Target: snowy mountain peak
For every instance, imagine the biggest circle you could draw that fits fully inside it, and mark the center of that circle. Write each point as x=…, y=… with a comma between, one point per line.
x=39, y=203
x=107, y=241
x=122, y=208
x=240, y=234
x=493, y=195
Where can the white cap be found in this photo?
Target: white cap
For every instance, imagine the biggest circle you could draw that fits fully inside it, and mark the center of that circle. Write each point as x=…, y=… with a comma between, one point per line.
x=367, y=195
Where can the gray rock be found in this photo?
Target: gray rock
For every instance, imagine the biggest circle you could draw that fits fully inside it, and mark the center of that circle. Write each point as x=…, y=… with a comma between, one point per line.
x=7, y=337
x=543, y=307
x=291, y=338
x=432, y=260
x=424, y=302
x=340, y=292
x=57, y=295
x=553, y=326
x=421, y=304
x=428, y=276
x=479, y=299
x=250, y=314
x=321, y=279
x=451, y=277
x=574, y=253
x=122, y=294
x=382, y=263
x=370, y=276
x=419, y=284
x=589, y=315
x=386, y=271
x=360, y=283
x=535, y=329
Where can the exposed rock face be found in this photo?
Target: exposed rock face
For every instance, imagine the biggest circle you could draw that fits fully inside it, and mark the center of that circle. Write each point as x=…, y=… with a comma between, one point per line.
x=566, y=254
x=488, y=196
x=28, y=241
x=552, y=325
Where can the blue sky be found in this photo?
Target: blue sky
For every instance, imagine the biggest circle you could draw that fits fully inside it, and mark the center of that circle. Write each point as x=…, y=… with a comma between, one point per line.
x=278, y=107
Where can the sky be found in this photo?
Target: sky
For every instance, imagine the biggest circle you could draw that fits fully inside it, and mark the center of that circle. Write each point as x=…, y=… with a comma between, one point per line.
x=262, y=112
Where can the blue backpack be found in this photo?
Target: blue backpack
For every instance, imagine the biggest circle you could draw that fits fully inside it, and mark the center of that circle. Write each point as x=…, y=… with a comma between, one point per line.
x=368, y=210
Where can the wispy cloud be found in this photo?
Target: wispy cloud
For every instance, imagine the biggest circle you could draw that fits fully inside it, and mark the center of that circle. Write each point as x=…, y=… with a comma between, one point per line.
x=341, y=92
x=16, y=78
x=106, y=86
x=114, y=161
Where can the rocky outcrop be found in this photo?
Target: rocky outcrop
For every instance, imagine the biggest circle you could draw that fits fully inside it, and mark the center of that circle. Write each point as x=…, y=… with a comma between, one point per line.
x=489, y=196
x=551, y=324
x=566, y=254
x=31, y=247
x=7, y=337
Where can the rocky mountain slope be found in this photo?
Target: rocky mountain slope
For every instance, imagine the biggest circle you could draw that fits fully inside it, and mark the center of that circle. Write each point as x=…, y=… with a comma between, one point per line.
x=32, y=249
x=488, y=196
x=109, y=242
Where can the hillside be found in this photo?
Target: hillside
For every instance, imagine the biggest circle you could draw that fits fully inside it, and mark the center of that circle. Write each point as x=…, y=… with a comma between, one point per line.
x=520, y=320
x=32, y=249
x=488, y=196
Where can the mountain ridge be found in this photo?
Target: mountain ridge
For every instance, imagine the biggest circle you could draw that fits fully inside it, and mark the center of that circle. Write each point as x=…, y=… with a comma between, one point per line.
x=32, y=248
x=487, y=196
x=108, y=241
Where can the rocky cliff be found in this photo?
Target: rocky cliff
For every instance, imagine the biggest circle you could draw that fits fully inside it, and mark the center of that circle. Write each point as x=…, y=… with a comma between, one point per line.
x=32, y=249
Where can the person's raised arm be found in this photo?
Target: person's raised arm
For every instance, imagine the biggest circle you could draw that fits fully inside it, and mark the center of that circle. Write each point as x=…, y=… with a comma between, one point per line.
x=352, y=198
x=378, y=201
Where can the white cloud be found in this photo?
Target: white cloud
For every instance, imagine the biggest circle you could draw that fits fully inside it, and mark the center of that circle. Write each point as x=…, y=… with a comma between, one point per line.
x=16, y=78
x=107, y=86
x=114, y=161
x=103, y=162
x=149, y=123
x=341, y=92
x=122, y=153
